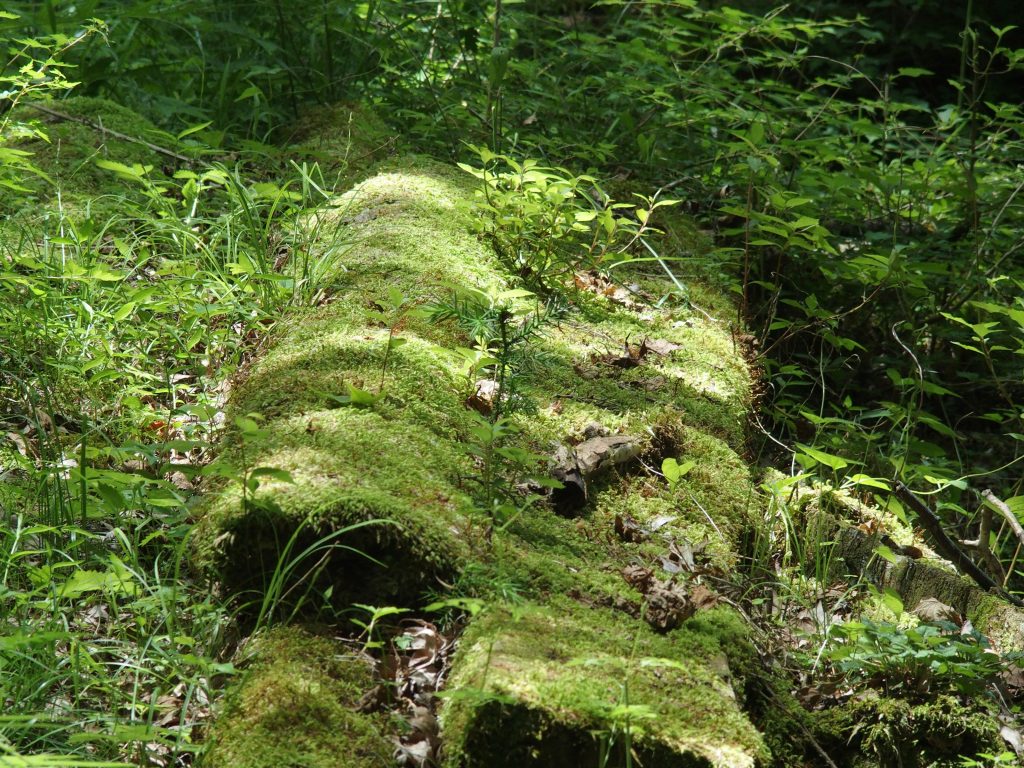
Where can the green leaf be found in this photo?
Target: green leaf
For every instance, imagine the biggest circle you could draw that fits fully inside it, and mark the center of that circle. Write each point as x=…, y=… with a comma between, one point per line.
x=674, y=471
x=246, y=425
x=891, y=599
x=913, y=72
x=281, y=475
x=395, y=298
x=870, y=482
x=830, y=460
x=886, y=554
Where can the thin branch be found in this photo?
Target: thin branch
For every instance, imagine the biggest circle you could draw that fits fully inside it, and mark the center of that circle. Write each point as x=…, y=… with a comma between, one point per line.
x=1003, y=509
x=116, y=134
x=946, y=546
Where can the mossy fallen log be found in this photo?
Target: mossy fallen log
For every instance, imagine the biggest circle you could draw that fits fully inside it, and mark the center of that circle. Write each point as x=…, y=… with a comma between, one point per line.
x=395, y=465
x=565, y=684
x=401, y=465
x=856, y=532
x=296, y=705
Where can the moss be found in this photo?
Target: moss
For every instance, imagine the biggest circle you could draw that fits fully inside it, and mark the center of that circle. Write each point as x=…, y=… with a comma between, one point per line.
x=401, y=461
x=887, y=731
x=703, y=382
x=557, y=670
x=69, y=158
x=344, y=139
x=551, y=556
x=544, y=682
x=296, y=706
x=358, y=468
x=1001, y=622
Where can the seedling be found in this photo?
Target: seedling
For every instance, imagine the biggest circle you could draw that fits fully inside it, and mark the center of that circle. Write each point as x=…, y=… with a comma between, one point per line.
x=393, y=313
x=674, y=471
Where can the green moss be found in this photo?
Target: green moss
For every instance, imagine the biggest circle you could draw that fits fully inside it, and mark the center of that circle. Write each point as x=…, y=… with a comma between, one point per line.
x=887, y=731
x=69, y=158
x=296, y=706
x=542, y=683
x=356, y=468
x=557, y=670
x=1001, y=622
x=401, y=461
x=344, y=139
x=703, y=382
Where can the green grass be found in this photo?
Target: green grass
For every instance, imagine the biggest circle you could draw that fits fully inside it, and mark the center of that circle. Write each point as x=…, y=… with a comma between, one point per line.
x=133, y=299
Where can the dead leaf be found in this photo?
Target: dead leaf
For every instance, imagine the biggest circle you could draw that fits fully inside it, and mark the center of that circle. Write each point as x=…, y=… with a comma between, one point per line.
x=931, y=610
x=679, y=557
x=1012, y=737
x=659, y=522
x=703, y=597
x=628, y=529
x=20, y=444
x=660, y=346
x=575, y=467
x=484, y=396
x=870, y=527
x=668, y=603
x=181, y=481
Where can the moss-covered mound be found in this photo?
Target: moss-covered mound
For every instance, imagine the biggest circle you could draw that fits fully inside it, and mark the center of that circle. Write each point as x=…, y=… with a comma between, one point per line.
x=296, y=706
x=395, y=464
x=81, y=135
x=563, y=684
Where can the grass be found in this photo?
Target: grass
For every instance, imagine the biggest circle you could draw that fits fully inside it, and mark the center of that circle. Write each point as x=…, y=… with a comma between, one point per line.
x=134, y=296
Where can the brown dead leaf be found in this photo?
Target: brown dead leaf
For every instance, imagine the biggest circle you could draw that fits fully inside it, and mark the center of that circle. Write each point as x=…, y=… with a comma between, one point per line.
x=870, y=527
x=931, y=610
x=660, y=346
x=679, y=558
x=668, y=603
x=181, y=481
x=485, y=395
x=629, y=530
x=599, y=285
x=703, y=597
x=21, y=445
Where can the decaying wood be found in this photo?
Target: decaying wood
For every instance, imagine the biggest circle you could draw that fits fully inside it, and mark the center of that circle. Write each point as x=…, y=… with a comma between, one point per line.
x=576, y=467
x=1001, y=507
x=946, y=546
x=980, y=545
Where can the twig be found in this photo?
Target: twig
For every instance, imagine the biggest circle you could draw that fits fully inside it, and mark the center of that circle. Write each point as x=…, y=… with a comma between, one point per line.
x=946, y=546
x=1003, y=509
x=980, y=545
x=116, y=134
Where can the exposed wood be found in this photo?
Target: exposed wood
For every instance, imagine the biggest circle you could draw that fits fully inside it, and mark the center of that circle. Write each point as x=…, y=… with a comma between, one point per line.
x=946, y=546
x=981, y=546
x=1001, y=507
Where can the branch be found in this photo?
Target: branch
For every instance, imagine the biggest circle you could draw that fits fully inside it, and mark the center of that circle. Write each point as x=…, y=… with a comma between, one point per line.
x=980, y=545
x=1003, y=509
x=946, y=546
x=115, y=134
